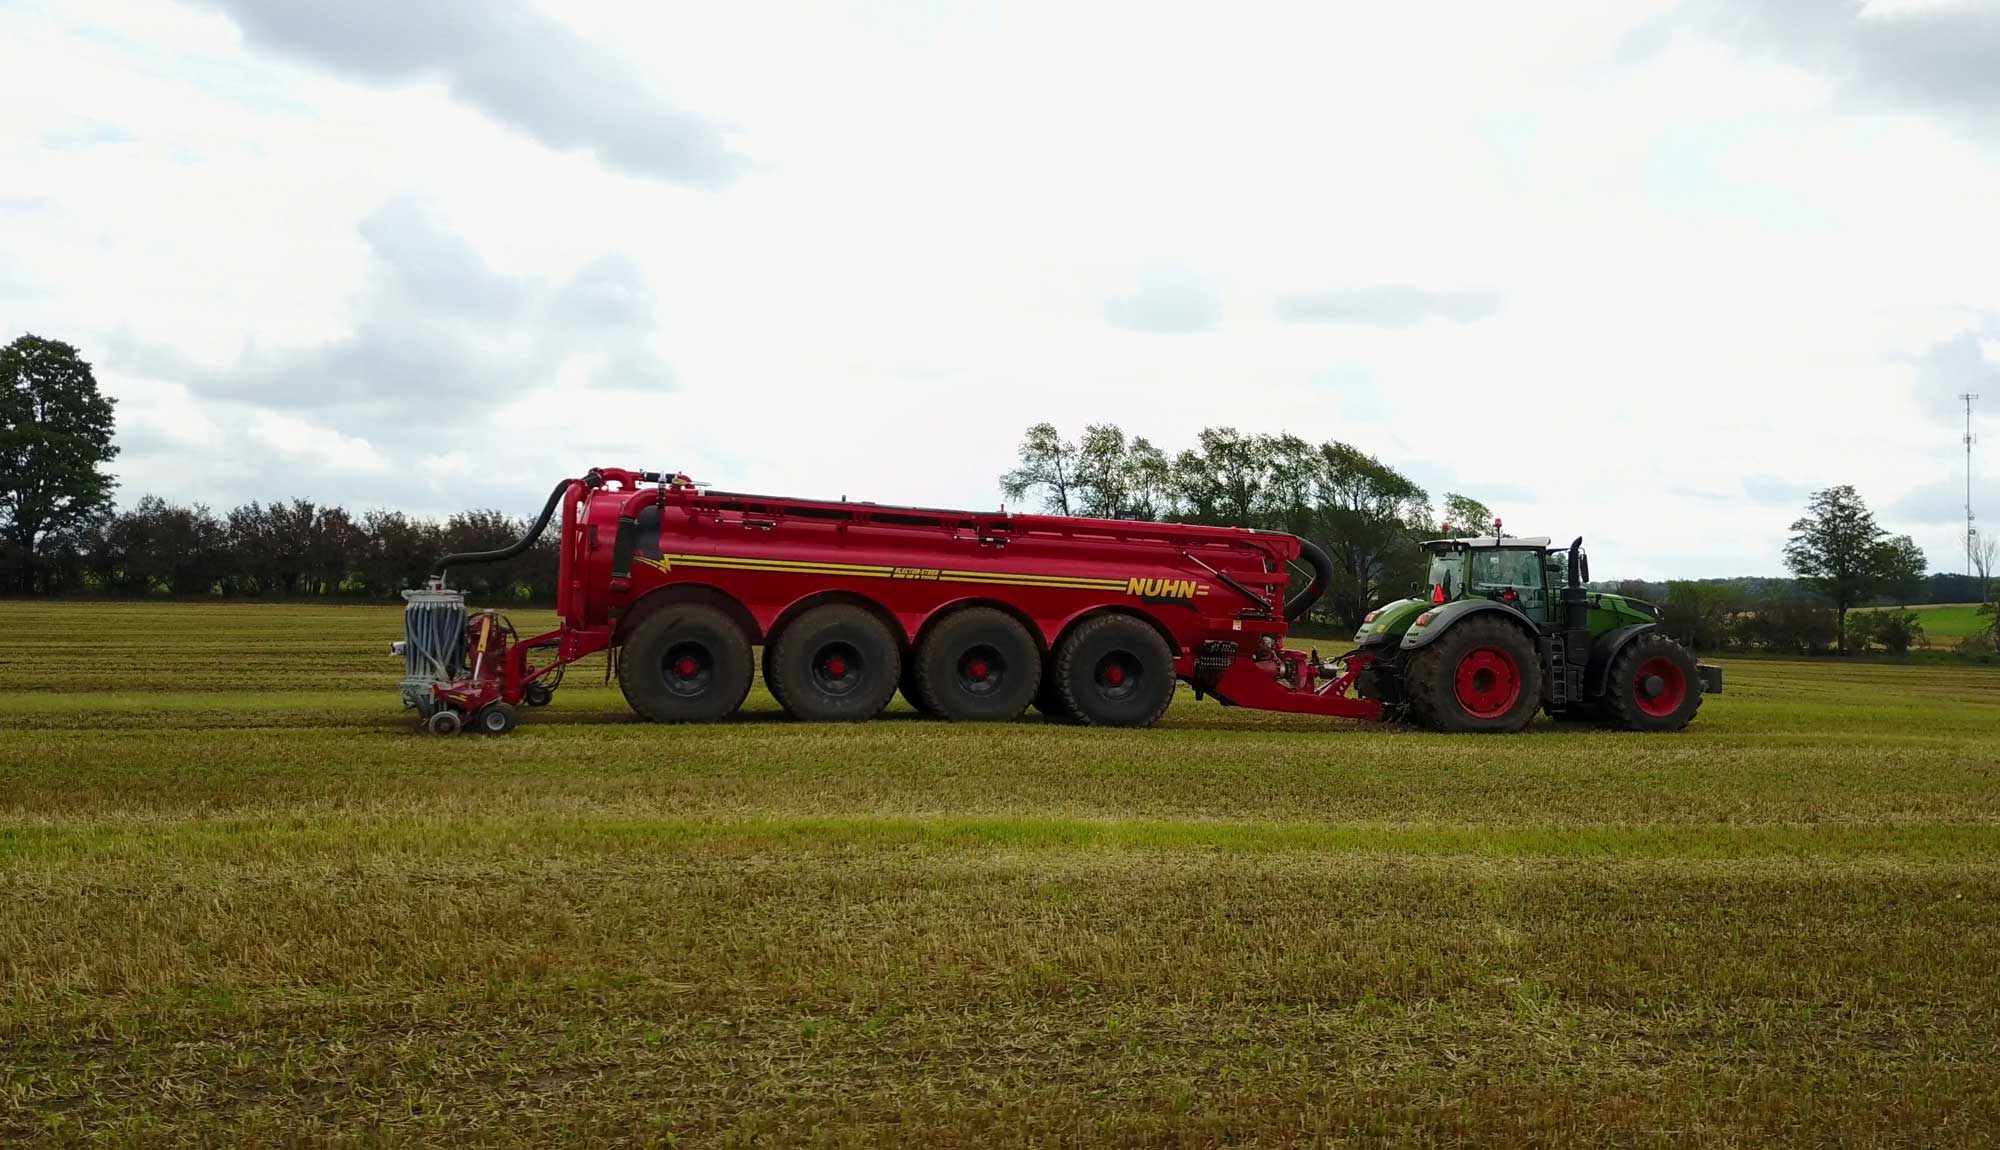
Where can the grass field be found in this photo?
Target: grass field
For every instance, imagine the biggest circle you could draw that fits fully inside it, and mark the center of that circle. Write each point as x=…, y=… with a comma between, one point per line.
x=1949, y=622
x=246, y=904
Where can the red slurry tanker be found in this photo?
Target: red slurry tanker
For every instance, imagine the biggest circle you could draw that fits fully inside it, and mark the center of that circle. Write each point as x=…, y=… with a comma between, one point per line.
x=972, y=615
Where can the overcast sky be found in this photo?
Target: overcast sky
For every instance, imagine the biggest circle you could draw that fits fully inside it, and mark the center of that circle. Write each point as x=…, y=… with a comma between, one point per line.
x=1646, y=272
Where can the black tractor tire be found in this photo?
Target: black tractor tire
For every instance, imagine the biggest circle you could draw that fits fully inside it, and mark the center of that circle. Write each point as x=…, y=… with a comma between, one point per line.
x=1482, y=676
x=538, y=695
x=836, y=663
x=685, y=663
x=495, y=719
x=1049, y=700
x=978, y=665
x=908, y=687
x=1576, y=714
x=1114, y=671
x=1652, y=685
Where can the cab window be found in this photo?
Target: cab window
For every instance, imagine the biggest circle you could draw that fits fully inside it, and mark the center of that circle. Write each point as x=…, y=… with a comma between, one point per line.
x=1501, y=570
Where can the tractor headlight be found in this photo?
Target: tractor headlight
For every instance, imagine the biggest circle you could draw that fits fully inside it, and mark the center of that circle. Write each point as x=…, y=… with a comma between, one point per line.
x=1370, y=617
x=1423, y=618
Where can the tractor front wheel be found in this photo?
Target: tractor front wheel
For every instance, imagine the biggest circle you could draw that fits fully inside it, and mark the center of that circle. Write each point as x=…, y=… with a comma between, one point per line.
x=1651, y=685
x=1482, y=676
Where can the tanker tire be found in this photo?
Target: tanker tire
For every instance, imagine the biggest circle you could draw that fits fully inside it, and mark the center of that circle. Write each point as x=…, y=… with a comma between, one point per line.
x=1114, y=671
x=978, y=666
x=836, y=663
x=1624, y=697
x=1431, y=682
x=685, y=663
x=1048, y=700
x=908, y=687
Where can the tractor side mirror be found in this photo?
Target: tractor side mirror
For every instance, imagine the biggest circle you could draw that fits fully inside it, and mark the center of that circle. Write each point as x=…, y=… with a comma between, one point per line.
x=1585, y=560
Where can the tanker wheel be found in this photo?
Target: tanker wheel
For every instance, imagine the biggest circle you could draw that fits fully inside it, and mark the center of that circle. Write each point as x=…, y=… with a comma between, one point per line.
x=1048, y=700
x=1651, y=685
x=1115, y=671
x=836, y=663
x=685, y=663
x=1482, y=676
x=978, y=665
x=908, y=686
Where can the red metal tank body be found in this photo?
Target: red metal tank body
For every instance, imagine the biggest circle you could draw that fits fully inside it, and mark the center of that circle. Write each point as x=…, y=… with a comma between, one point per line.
x=1215, y=594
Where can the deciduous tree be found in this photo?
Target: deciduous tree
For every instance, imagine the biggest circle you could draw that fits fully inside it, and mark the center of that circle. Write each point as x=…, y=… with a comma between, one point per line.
x=55, y=439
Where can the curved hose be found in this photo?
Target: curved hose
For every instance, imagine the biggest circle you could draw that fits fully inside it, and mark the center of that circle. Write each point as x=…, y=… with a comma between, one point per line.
x=1302, y=600
x=526, y=541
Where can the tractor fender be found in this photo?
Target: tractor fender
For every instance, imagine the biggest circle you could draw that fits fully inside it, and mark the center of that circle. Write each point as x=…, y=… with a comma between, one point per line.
x=1603, y=650
x=1445, y=617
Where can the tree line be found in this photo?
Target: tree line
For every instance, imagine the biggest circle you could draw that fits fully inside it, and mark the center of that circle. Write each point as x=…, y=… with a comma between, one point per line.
x=287, y=550
x=1368, y=516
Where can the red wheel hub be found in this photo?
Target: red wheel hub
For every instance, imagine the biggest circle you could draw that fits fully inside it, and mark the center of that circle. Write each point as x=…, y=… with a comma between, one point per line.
x=976, y=669
x=836, y=666
x=685, y=666
x=1114, y=674
x=1488, y=682
x=1659, y=687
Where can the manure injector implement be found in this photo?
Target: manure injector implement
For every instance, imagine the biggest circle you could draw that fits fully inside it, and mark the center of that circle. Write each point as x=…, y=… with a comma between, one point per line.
x=977, y=616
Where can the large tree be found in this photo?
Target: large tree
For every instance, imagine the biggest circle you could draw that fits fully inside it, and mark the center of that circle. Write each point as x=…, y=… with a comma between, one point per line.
x=1838, y=550
x=1048, y=466
x=1370, y=515
x=55, y=438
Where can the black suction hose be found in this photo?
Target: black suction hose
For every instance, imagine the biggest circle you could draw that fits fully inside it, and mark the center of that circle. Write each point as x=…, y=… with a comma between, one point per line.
x=526, y=541
x=1302, y=600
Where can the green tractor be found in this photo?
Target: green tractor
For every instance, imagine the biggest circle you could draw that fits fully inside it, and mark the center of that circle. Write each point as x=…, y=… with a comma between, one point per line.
x=1508, y=626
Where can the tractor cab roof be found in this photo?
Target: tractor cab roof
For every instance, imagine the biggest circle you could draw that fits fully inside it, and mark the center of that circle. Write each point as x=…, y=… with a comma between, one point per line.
x=1533, y=542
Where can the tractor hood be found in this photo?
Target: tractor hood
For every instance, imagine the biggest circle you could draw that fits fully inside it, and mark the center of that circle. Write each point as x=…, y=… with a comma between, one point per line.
x=1386, y=624
x=1621, y=611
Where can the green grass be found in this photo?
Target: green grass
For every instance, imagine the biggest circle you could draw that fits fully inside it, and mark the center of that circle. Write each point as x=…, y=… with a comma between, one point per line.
x=1947, y=621
x=247, y=904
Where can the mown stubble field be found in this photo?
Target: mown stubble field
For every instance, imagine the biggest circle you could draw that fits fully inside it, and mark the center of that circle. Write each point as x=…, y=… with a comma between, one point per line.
x=246, y=904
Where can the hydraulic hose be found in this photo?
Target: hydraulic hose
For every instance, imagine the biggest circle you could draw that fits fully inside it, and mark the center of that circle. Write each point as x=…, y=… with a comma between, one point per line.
x=464, y=558
x=1302, y=600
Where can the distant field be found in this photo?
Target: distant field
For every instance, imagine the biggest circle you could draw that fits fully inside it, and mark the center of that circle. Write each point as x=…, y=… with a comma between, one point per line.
x=1948, y=621
x=246, y=903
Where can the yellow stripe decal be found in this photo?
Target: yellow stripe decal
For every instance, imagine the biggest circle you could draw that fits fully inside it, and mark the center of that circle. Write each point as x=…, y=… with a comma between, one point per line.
x=671, y=560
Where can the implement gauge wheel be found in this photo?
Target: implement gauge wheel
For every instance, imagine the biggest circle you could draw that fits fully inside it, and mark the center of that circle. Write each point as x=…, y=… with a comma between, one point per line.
x=443, y=722
x=685, y=663
x=495, y=719
x=1483, y=676
x=1651, y=685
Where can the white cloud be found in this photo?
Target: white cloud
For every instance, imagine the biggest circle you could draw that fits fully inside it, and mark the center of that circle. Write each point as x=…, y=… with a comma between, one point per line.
x=1653, y=276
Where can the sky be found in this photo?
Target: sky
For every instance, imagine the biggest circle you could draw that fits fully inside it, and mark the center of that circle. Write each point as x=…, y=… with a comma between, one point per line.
x=1650, y=273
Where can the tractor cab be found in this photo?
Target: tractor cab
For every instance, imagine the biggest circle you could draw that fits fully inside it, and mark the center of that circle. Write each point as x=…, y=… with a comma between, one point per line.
x=1506, y=569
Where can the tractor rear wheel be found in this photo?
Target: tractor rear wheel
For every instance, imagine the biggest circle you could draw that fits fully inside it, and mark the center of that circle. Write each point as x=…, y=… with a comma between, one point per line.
x=1115, y=671
x=685, y=663
x=837, y=663
x=978, y=666
x=1651, y=685
x=1482, y=676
